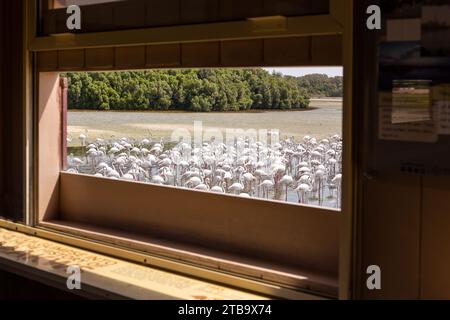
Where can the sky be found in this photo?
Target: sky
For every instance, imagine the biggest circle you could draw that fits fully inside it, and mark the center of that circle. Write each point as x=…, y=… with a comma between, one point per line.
x=298, y=72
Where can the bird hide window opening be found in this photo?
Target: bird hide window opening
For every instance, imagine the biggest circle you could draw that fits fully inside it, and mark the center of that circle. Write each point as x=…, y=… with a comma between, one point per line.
x=250, y=132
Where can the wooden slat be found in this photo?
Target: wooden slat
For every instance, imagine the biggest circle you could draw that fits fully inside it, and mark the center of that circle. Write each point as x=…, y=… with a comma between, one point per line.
x=12, y=91
x=130, y=57
x=49, y=144
x=160, y=56
x=390, y=235
x=99, y=58
x=60, y=18
x=96, y=19
x=49, y=23
x=319, y=7
x=176, y=12
x=71, y=59
x=291, y=7
x=435, y=259
x=287, y=51
x=236, y=30
x=248, y=8
x=201, y=54
x=163, y=13
x=199, y=11
x=241, y=53
x=129, y=15
x=47, y=61
x=326, y=50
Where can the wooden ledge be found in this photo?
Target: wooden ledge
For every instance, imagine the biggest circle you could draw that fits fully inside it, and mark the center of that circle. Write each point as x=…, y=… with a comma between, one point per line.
x=279, y=275
x=103, y=276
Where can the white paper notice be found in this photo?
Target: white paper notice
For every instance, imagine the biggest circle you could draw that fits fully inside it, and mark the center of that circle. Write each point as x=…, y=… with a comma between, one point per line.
x=444, y=117
x=423, y=131
x=441, y=103
x=411, y=101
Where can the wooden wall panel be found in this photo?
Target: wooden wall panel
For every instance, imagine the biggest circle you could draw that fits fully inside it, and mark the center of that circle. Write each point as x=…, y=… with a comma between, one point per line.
x=48, y=24
x=242, y=53
x=161, y=56
x=201, y=54
x=71, y=59
x=96, y=18
x=99, y=58
x=287, y=51
x=404, y=221
x=163, y=13
x=150, y=13
x=300, y=237
x=291, y=7
x=49, y=144
x=47, y=60
x=292, y=51
x=391, y=235
x=130, y=57
x=324, y=50
x=435, y=260
x=199, y=11
x=60, y=24
x=318, y=7
x=12, y=162
x=164, y=56
x=248, y=8
x=129, y=15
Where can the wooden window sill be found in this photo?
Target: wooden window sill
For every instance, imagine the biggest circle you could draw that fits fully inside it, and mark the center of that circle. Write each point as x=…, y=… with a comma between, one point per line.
x=312, y=281
x=102, y=276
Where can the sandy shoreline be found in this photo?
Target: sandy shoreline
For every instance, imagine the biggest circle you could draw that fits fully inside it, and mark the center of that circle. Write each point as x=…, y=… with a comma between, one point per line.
x=323, y=119
x=314, y=104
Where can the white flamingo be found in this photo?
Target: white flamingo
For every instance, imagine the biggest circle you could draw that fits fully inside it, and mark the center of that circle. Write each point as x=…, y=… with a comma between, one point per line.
x=246, y=167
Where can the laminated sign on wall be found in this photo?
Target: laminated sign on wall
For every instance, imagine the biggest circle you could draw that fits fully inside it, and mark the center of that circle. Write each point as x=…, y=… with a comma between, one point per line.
x=442, y=105
x=420, y=131
x=414, y=58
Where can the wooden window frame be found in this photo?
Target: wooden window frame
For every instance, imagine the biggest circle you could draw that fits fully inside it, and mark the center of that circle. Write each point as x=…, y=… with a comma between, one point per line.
x=132, y=14
x=338, y=22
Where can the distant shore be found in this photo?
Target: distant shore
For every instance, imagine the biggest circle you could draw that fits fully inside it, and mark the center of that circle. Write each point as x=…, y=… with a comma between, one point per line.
x=330, y=99
x=322, y=119
x=313, y=106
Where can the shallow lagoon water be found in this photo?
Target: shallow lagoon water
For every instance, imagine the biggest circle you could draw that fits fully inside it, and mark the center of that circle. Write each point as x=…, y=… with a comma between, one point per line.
x=323, y=120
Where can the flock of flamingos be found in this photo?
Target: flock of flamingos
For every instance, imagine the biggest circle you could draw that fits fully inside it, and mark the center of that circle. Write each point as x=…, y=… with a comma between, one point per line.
x=306, y=171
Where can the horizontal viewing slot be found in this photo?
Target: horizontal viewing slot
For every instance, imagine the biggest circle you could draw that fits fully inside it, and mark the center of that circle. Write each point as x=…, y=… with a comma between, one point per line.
x=234, y=131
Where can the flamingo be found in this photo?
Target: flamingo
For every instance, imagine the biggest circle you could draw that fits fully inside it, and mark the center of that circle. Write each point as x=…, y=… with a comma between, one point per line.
x=236, y=188
x=245, y=167
x=302, y=189
x=267, y=184
x=286, y=181
x=82, y=138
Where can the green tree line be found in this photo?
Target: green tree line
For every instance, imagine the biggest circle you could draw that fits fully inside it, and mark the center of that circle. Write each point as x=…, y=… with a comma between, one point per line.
x=320, y=85
x=195, y=90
